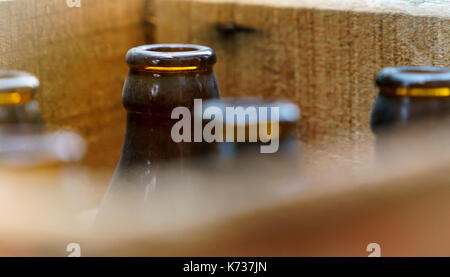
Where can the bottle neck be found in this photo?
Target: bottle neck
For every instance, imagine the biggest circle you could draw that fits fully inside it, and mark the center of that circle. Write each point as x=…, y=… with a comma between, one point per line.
x=159, y=94
x=15, y=98
x=148, y=138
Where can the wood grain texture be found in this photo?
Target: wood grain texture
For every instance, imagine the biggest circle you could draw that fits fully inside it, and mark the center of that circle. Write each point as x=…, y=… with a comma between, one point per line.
x=79, y=56
x=323, y=55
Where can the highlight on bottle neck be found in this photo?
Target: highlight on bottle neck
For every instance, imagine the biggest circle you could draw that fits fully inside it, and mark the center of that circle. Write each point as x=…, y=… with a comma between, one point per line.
x=16, y=88
x=171, y=58
x=414, y=81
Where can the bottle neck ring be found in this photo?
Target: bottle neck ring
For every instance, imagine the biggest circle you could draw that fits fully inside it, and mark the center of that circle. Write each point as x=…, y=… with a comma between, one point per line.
x=17, y=88
x=171, y=58
x=15, y=98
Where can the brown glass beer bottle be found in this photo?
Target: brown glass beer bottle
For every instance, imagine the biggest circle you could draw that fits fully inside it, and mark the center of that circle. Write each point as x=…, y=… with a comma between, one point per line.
x=161, y=78
x=409, y=95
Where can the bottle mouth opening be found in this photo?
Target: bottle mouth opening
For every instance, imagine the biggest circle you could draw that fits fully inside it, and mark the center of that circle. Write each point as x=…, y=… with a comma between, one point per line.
x=171, y=57
x=415, y=81
x=174, y=49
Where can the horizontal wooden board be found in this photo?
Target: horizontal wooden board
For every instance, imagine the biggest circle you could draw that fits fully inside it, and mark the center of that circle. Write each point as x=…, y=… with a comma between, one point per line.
x=401, y=203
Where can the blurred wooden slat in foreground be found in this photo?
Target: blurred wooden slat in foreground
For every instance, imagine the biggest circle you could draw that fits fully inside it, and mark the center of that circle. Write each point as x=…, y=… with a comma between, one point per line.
x=400, y=203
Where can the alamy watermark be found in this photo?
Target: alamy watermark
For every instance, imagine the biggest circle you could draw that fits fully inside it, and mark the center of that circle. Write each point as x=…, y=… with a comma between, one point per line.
x=74, y=249
x=73, y=3
x=250, y=124
x=374, y=249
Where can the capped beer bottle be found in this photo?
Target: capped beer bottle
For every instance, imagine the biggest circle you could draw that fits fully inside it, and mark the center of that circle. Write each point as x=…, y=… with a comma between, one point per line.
x=161, y=78
x=409, y=95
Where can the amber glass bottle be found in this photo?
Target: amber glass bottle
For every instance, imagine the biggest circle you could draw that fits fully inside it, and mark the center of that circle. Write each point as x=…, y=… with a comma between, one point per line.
x=288, y=115
x=410, y=95
x=31, y=157
x=17, y=105
x=161, y=78
x=246, y=155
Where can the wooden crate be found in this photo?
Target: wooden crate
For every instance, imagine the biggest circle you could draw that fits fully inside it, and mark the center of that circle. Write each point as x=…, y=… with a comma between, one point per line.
x=321, y=54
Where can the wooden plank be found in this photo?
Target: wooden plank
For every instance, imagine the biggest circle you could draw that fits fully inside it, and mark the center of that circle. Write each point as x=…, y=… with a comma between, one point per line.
x=79, y=56
x=321, y=54
x=401, y=203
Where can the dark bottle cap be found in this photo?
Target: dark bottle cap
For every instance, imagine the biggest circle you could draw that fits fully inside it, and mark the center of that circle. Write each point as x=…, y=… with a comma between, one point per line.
x=415, y=81
x=171, y=57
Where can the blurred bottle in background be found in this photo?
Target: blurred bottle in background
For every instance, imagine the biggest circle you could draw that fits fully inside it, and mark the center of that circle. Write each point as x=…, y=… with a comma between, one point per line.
x=31, y=157
x=413, y=103
x=275, y=133
x=24, y=139
x=410, y=95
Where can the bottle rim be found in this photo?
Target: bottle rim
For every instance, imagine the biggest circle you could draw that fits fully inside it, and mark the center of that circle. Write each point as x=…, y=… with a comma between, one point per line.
x=171, y=57
x=414, y=76
x=11, y=80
